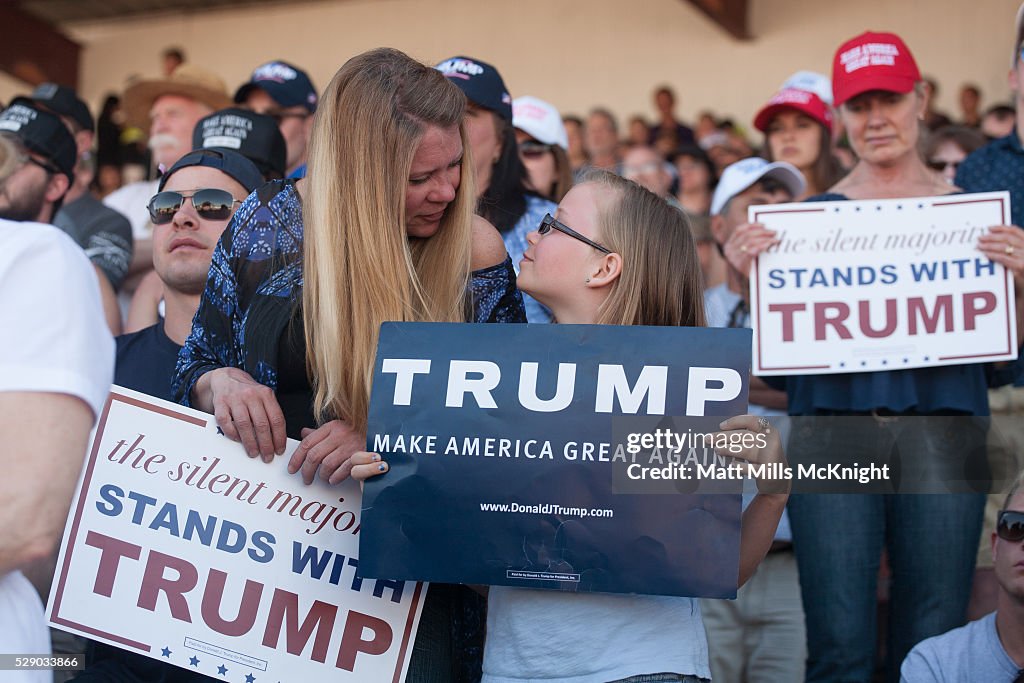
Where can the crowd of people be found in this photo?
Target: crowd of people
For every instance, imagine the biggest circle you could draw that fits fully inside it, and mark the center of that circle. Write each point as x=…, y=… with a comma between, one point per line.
x=244, y=248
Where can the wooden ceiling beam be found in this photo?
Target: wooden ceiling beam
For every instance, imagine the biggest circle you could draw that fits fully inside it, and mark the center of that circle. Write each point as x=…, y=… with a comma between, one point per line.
x=731, y=15
x=40, y=53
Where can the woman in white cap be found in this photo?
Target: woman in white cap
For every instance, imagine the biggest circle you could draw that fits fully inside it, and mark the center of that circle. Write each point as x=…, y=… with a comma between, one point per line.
x=797, y=125
x=543, y=147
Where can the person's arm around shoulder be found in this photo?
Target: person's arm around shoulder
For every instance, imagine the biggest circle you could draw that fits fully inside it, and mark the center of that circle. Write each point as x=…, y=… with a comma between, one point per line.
x=488, y=247
x=495, y=296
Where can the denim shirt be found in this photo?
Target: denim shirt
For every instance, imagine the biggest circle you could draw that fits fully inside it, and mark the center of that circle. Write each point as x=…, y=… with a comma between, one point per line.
x=515, y=243
x=255, y=282
x=999, y=165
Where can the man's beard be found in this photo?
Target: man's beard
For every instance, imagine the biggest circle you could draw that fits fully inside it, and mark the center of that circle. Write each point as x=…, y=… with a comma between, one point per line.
x=25, y=207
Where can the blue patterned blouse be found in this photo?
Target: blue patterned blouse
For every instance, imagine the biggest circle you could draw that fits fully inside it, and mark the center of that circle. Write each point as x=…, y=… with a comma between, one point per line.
x=255, y=285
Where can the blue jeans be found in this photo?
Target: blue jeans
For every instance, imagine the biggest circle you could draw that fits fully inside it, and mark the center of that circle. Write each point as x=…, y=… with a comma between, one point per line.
x=931, y=540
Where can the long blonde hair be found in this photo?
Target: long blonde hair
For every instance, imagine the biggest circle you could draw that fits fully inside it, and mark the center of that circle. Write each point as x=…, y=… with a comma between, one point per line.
x=360, y=267
x=660, y=282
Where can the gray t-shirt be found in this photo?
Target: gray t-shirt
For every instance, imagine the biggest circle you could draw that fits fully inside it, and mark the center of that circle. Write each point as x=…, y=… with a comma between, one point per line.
x=103, y=233
x=964, y=655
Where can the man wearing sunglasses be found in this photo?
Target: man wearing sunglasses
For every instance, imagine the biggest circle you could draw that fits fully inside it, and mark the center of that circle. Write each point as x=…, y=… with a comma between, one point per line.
x=286, y=93
x=197, y=198
x=999, y=165
x=990, y=649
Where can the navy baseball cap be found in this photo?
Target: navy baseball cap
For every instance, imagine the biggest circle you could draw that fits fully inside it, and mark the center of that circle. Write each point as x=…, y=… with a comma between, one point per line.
x=43, y=133
x=286, y=84
x=481, y=83
x=224, y=160
x=62, y=101
x=254, y=136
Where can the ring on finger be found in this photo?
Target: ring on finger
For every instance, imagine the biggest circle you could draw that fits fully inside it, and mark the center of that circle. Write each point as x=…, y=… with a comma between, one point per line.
x=743, y=249
x=1009, y=250
x=765, y=425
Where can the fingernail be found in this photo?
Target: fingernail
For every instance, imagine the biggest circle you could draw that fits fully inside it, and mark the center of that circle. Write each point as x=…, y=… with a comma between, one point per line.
x=383, y=467
x=721, y=425
x=376, y=457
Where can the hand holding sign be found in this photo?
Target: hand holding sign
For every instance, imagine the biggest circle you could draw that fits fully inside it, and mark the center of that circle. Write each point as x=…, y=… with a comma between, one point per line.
x=246, y=411
x=762, y=447
x=327, y=448
x=746, y=242
x=1004, y=244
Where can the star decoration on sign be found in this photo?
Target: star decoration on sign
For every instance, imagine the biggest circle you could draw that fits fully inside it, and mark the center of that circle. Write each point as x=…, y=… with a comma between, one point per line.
x=249, y=678
x=193, y=660
x=222, y=669
x=166, y=652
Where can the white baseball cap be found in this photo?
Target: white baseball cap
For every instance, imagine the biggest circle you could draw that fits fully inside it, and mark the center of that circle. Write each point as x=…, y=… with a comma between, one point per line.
x=811, y=81
x=739, y=176
x=539, y=120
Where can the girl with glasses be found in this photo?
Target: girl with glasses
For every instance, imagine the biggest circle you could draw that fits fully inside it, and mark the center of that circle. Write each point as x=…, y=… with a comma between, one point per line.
x=604, y=260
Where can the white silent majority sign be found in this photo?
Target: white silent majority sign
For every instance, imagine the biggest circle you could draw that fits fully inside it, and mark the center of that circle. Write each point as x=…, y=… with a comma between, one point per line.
x=874, y=285
x=181, y=548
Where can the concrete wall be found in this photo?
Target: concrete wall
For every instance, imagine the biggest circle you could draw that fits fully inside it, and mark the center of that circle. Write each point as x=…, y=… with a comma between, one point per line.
x=575, y=53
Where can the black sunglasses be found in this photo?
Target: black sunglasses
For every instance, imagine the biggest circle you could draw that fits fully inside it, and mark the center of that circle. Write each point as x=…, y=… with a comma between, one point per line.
x=531, y=149
x=549, y=222
x=210, y=203
x=942, y=165
x=280, y=116
x=1011, y=526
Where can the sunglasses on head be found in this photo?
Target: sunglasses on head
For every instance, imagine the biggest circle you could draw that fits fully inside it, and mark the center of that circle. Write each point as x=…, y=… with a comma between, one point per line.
x=210, y=203
x=531, y=149
x=549, y=222
x=1011, y=526
x=943, y=165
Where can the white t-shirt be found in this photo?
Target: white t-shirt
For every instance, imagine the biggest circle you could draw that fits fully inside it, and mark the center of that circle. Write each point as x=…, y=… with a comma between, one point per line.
x=131, y=201
x=53, y=338
x=555, y=637
x=23, y=627
x=53, y=334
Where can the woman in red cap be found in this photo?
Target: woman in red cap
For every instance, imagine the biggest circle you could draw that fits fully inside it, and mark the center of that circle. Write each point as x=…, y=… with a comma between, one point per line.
x=924, y=418
x=797, y=126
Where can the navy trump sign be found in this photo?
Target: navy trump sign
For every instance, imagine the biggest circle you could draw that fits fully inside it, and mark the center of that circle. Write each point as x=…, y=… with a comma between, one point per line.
x=502, y=455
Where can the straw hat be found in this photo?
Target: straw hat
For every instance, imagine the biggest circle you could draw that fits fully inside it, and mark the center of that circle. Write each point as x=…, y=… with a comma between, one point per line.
x=187, y=80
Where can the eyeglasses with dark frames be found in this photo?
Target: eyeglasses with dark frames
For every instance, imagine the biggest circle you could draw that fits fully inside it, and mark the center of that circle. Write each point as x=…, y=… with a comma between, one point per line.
x=549, y=222
x=25, y=158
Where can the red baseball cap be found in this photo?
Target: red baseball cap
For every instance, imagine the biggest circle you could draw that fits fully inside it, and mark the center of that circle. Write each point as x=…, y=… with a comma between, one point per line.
x=873, y=61
x=802, y=101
